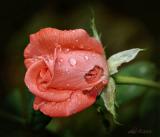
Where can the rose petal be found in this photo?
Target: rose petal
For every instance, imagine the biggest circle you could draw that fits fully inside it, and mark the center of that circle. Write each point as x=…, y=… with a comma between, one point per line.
x=50, y=94
x=72, y=76
x=46, y=40
x=77, y=102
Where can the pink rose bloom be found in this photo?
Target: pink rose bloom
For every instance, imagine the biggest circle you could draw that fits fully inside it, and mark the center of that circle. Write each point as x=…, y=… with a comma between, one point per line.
x=66, y=70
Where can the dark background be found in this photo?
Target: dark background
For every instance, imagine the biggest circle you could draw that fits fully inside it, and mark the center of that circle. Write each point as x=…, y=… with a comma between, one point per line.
x=123, y=24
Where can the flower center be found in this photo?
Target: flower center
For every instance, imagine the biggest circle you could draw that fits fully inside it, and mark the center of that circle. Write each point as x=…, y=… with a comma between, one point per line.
x=94, y=74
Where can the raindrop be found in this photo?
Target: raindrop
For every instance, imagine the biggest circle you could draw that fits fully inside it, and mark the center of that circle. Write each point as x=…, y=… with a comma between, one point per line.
x=60, y=49
x=93, y=55
x=67, y=70
x=66, y=50
x=76, y=40
x=81, y=46
x=72, y=61
x=58, y=45
x=104, y=81
x=60, y=60
x=86, y=57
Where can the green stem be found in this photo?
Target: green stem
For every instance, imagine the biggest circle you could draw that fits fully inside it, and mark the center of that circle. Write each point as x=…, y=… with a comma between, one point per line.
x=137, y=81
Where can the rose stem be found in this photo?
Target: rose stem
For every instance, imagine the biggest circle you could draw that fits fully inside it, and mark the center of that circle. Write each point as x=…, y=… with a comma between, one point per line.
x=137, y=81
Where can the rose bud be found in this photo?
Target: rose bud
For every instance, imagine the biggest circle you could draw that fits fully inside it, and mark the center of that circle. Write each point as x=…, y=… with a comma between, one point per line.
x=66, y=70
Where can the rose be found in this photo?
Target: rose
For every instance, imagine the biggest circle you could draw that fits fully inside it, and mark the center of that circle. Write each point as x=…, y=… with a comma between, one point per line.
x=66, y=70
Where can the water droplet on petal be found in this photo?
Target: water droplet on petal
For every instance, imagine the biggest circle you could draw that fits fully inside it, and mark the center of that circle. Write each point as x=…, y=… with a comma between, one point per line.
x=93, y=55
x=60, y=49
x=73, y=31
x=72, y=61
x=104, y=81
x=58, y=45
x=67, y=85
x=67, y=70
x=60, y=60
x=76, y=40
x=81, y=46
x=86, y=57
x=66, y=50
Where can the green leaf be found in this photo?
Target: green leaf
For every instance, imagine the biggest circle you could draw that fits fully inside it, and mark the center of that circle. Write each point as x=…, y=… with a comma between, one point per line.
x=118, y=59
x=145, y=70
x=94, y=30
x=108, y=96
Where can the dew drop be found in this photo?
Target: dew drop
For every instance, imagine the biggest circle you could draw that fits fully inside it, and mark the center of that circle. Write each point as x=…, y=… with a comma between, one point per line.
x=72, y=61
x=104, y=81
x=58, y=45
x=67, y=70
x=86, y=57
x=76, y=40
x=67, y=85
x=66, y=50
x=60, y=60
x=93, y=55
x=60, y=49
x=81, y=46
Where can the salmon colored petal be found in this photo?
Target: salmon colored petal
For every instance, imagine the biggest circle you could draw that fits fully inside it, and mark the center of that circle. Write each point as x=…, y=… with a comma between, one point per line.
x=38, y=102
x=76, y=103
x=50, y=94
x=46, y=40
x=28, y=62
x=71, y=68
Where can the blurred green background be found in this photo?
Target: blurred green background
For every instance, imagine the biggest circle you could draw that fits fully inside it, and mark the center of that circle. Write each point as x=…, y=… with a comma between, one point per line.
x=123, y=24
